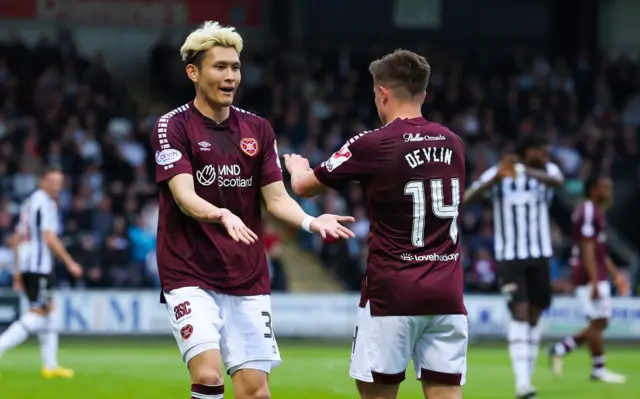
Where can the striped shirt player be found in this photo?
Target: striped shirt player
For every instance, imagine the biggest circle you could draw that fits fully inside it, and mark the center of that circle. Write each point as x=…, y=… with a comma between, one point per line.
x=522, y=228
x=521, y=192
x=38, y=214
x=35, y=242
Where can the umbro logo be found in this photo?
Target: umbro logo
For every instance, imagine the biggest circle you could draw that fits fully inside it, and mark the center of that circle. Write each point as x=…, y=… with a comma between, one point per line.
x=204, y=146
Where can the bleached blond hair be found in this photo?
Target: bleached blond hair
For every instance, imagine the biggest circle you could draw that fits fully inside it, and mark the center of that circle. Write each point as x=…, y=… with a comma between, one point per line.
x=208, y=35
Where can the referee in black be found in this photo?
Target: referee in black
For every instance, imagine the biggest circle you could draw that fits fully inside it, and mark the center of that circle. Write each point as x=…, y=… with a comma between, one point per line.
x=521, y=190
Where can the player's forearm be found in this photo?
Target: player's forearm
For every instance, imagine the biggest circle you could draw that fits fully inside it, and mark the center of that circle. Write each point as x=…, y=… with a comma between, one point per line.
x=544, y=177
x=475, y=193
x=611, y=267
x=304, y=183
x=287, y=210
x=195, y=207
x=58, y=249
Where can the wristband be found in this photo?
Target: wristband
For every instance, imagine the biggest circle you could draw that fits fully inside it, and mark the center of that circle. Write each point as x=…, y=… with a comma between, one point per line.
x=306, y=223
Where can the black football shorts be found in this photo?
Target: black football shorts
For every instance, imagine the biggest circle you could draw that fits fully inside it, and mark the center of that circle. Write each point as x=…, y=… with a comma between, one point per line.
x=526, y=280
x=38, y=289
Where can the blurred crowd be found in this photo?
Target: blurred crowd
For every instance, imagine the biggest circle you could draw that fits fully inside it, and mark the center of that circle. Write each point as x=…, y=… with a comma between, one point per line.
x=57, y=107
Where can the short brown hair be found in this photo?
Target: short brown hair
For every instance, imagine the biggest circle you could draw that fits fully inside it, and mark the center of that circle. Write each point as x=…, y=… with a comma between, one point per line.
x=402, y=69
x=45, y=170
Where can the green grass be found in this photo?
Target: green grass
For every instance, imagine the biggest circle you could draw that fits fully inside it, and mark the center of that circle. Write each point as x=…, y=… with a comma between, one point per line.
x=153, y=370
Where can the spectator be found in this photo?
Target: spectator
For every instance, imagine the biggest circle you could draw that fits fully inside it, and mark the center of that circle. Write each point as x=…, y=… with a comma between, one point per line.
x=72, y=111
x=273, y=249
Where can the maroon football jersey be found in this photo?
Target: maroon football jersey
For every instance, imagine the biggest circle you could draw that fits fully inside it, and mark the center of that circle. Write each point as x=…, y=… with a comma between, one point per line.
x=229, y=163
x=588, y=223
x=413, y=175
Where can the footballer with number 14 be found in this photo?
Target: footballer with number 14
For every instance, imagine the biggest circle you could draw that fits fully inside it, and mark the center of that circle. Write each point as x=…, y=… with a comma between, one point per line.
x=413, y=175
x=215, y=164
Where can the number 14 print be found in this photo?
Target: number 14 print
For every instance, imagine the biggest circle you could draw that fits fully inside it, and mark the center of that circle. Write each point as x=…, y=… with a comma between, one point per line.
x=416, y=189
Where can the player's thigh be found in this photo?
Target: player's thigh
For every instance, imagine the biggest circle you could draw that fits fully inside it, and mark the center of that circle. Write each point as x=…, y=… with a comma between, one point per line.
x=434, y=390
x=251, y=382
x=372, y=390
x=600, y=308
x=196, y=323
x=382, y=347
x=539, y=283
x=513, y=281
x=247, y=338
x=440, y=354
x=204, y=366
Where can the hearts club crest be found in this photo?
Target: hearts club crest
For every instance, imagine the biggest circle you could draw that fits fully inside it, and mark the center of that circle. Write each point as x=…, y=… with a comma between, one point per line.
x=249, y=146
x=186, y=331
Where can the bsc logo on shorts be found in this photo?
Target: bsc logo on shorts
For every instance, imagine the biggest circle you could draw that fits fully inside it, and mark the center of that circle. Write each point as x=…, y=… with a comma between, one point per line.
x=186, y=331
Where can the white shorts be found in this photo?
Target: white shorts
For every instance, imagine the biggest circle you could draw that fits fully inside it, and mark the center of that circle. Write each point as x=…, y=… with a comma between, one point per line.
x=601, y=308
x=382, y=347
x=238, y=326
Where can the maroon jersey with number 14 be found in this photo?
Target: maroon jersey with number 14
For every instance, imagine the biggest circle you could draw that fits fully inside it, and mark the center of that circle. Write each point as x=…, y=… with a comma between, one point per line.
x=589, y=223
x=413, y=175
x=229, y=163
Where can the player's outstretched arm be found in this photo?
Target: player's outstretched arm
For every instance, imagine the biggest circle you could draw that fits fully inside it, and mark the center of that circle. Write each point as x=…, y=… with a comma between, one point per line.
x=195, y=207
x=284, y=208
x=552, y=176
x=488, y=179
x=303, y=181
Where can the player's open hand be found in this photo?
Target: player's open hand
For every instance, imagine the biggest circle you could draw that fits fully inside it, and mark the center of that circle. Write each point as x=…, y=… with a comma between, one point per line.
x=75, y=269
x=296, y=162
x=236, y=228
x=329, y=225
x=622, y=284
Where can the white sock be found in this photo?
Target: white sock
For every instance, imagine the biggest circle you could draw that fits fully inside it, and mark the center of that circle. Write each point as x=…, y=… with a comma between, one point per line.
x=519, y=351
x=535, y=335
x=48, y=337
x=19, y=331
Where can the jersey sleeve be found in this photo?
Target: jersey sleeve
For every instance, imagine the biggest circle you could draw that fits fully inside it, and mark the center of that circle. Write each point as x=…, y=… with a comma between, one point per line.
x=354, y=161
x=485, y=177
x=49, y=214
x=554, y=170
x=587, y=221
x=271, y=170
x=170, y=142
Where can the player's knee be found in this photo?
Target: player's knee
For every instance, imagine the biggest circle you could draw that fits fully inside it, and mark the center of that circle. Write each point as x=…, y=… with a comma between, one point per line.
x=208, y=376
x=435, y=390
x=370, y=390
x=256, y=392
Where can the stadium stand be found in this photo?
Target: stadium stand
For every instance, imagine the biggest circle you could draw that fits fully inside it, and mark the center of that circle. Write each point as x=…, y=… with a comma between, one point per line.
x=58, y=107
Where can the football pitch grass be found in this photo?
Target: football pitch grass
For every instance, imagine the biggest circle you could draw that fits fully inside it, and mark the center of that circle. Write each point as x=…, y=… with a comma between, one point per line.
x=152, y=369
